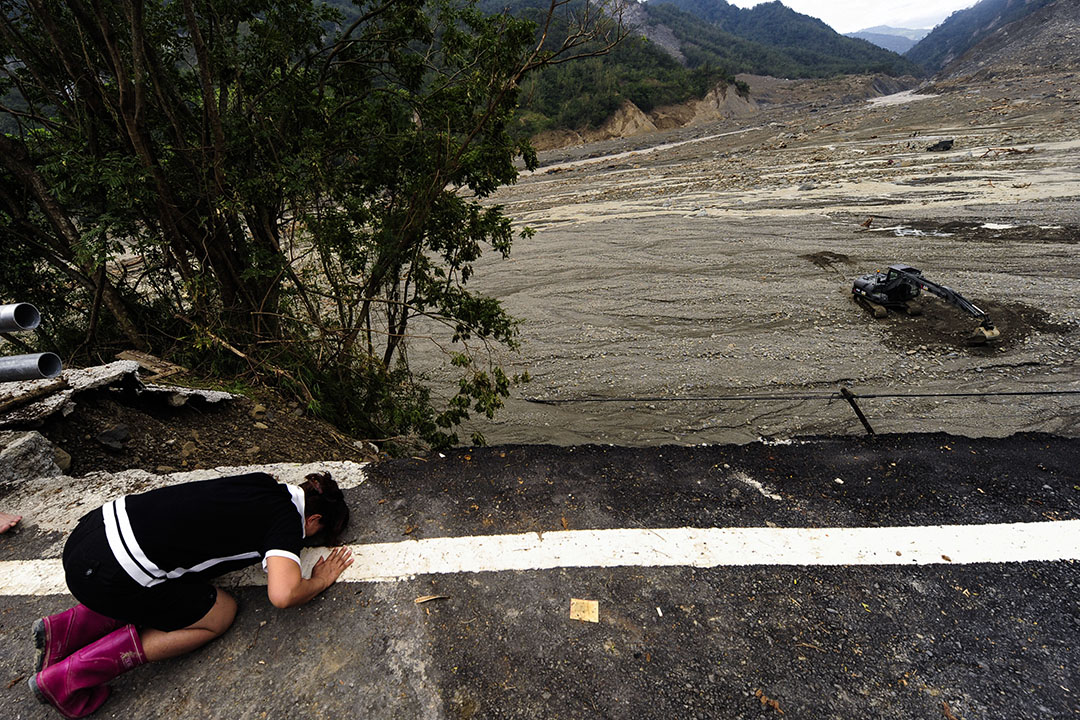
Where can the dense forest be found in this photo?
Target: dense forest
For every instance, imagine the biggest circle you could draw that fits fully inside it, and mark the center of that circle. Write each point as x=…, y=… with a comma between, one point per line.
x=798, y=50
x=965, y=28
x=770, y=39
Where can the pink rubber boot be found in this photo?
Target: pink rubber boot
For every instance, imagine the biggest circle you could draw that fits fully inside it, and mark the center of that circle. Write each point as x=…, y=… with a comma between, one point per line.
x=59, y=635
x=76, y=685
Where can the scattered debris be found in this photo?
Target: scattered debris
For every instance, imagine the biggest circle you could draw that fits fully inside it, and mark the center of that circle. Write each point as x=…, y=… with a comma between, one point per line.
x=255, y=639
x=809, y=645
x=428, y=598
x=767, y=701
x=941, y=146
x=756, y=484
x=998, y=152
x=114, y=438
x=158, y=367
x=948, y=711
x=585, y=610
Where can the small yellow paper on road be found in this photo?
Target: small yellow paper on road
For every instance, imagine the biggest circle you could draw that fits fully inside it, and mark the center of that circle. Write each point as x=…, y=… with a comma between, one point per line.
x=585, y=610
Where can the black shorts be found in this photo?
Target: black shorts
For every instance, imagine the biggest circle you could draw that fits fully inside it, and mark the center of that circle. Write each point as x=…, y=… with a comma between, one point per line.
x=96, y=580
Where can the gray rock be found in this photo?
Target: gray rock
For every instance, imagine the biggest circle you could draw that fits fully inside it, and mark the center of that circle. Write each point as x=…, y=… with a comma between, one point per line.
x=26, y=455
x=115, y=437
x=62, y=458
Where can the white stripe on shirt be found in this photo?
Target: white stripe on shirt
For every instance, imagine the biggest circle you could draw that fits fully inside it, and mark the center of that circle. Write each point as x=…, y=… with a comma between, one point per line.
x=112, y=534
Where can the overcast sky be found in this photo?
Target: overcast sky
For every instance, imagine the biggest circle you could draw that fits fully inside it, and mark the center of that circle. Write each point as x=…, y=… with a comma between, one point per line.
x=851, y=15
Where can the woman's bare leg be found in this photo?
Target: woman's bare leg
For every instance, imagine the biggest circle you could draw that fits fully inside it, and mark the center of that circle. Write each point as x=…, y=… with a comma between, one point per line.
x=160, y=645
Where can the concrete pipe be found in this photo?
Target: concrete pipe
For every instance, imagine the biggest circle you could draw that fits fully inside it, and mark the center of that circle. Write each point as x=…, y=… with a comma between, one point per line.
x=30, y=367
x=18, y=317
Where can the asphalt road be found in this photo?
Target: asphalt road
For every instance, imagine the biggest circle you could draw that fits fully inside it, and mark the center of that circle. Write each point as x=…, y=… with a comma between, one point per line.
x=982, y=639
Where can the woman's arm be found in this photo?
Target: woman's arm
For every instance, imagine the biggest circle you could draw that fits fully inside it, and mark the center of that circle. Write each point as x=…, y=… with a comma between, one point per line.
x=286, y=587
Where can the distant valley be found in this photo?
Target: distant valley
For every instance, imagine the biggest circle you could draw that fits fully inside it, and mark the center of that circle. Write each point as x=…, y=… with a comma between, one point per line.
x=899, y=40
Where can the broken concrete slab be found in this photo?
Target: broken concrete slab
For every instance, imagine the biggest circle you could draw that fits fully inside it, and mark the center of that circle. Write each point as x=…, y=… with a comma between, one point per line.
x=76, y=380
x=26, y=456
x=33, y=401
x=178, y=396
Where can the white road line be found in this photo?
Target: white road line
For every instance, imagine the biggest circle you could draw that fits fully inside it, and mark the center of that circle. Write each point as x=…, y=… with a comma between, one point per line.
x=693, y=547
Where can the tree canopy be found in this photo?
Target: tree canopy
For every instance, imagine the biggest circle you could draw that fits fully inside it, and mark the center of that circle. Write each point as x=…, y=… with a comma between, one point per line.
x=271, y=188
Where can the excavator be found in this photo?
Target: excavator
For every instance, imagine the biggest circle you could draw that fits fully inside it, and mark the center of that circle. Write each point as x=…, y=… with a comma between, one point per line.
x=898, y=287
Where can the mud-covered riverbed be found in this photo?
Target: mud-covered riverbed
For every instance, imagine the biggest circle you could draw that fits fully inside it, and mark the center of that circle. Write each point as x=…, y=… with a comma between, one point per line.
x=665, y=286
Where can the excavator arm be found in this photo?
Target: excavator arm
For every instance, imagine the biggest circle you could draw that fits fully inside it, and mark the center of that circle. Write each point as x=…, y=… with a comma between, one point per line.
x=955, y=298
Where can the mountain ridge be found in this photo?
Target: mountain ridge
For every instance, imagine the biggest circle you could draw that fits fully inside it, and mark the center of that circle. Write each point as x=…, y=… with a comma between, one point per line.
x=769, y=38
x=1045, y=39
x=899, y=40
x=898, y=44
x=965, y=29
x=913, y=34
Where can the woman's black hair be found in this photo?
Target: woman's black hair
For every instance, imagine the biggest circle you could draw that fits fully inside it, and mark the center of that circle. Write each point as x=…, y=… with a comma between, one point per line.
x=322, y=496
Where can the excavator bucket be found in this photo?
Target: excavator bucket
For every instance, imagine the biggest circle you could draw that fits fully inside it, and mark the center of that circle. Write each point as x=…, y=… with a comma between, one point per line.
x=982, y=336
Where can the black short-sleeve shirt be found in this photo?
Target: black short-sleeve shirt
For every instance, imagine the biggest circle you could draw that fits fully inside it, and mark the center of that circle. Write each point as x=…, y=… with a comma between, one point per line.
x=205, y=528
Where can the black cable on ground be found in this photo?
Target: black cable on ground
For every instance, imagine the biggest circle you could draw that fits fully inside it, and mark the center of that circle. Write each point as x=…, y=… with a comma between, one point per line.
x=815, y=396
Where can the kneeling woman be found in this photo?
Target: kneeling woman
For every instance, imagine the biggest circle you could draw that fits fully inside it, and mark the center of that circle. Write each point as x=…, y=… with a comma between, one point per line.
x=140, y=567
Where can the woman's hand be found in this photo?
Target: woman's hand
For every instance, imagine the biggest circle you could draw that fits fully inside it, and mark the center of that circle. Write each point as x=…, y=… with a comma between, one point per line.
x=329, y=568
x=287, y=588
